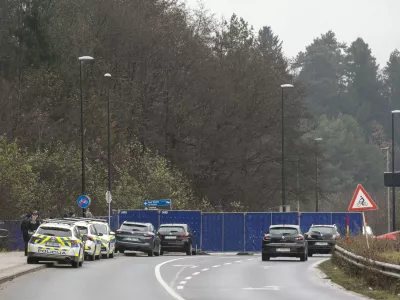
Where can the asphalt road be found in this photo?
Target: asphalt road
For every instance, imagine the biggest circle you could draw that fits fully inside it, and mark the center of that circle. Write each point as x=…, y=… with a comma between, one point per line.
x=178, y=277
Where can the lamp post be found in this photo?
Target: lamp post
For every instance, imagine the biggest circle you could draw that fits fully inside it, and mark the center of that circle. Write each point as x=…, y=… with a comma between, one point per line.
x=388, y=189
x=316, y=173
x=283, y=86
x=81, y=60
x=393, y=187
x=108, y=76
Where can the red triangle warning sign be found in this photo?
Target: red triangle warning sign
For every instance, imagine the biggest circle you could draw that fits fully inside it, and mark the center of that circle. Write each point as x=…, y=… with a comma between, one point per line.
x=361, y=200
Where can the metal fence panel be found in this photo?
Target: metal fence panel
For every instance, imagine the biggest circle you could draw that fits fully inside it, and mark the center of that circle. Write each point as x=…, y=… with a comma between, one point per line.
x=355, y=222
x=212, y=232
x=11, y=235
x=285, y=218
x=146, y=216
x=256, y=225
x=308, y=219
x=192, y=218
x=233, y=232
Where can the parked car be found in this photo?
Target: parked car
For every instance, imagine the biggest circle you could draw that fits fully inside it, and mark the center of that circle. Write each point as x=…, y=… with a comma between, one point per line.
x=135, y=236
x=321, y=239
x=4, y=239
x=177, y=238
x=284, y=241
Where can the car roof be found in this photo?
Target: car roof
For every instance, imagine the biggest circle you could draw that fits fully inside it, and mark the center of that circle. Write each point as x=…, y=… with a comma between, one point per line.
x=166, y=225
x=136, y=223
x=323, y=225
x=285, y=225
x=59, y=225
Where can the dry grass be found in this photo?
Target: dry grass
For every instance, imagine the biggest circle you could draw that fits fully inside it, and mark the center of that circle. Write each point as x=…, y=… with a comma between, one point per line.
x=354, y=283
x=380, y=250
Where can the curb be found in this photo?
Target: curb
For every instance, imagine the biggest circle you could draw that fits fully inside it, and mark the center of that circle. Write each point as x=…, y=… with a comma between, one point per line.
x=245, y=253
x=4, y=279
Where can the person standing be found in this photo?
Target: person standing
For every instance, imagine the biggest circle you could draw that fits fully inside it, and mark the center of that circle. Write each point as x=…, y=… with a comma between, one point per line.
x=25, y=231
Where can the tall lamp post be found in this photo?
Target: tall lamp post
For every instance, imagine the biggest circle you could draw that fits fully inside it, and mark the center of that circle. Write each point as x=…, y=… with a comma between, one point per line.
x=316, y=173
x=81, y=60
x=393, y=187
x=108, y=76
x=283, y=86
x=388, y=189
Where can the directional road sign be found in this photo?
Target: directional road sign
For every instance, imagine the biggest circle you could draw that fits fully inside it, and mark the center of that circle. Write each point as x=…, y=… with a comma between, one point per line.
x=165, y=203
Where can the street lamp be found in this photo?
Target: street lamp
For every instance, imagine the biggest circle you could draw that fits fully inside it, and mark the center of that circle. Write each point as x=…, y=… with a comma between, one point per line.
x=393, y=187
x=283, y=86
x=108, y=76
x=81, y=60
x=316, y=173
x=388, y=189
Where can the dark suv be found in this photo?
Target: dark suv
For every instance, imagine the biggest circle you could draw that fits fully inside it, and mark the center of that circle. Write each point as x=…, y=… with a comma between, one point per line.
x=177, y=238
x=135, y=236
x=321, y=239
x=284, y=241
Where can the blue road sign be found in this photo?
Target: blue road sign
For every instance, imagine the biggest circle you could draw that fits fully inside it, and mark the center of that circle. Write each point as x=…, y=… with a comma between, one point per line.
x=157, y=203
x=84, y=201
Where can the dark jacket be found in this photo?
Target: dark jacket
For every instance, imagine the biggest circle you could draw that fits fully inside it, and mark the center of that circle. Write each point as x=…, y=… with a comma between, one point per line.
x=34, y=226
x=25, y=228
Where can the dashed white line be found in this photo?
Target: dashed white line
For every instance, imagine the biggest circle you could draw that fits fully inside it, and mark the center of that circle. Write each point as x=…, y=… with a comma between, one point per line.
x=196, y=273
x=227, y=264
x=206, y=269
x=249, y=259
x=216, y=266
x=182, y=282
x=179, y=287
x=238, y=261
x=188, y=278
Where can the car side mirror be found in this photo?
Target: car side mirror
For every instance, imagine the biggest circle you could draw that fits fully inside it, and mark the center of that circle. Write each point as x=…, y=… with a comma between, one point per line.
x=100, y=234
x=112, y=233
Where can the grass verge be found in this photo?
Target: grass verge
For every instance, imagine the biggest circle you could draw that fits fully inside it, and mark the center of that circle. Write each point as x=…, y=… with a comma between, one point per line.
x=353, y=283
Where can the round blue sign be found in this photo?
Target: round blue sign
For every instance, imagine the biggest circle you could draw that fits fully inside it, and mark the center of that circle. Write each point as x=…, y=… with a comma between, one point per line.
x=83, y=201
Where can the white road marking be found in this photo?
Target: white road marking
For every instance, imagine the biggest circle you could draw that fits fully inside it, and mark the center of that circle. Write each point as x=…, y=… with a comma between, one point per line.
x=196, y=273
x=188, y=278
x=227, y=264
x=238, y=261
x=192, y=266
x=179, y=287
x=163, y=283
x=265, y=288
x=266, y=267
x=249, y=259
x=216, y=266
x=182, y=282
x=206, y=269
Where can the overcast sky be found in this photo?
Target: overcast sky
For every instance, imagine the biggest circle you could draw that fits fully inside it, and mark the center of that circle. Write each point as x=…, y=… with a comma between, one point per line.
x=298, y=22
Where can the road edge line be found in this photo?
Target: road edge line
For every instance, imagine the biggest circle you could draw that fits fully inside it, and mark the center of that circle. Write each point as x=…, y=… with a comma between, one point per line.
x=163, y=283
x=21, y=273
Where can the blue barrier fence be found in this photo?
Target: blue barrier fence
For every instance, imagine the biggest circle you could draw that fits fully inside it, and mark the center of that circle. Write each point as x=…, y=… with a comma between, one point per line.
x=217, y=232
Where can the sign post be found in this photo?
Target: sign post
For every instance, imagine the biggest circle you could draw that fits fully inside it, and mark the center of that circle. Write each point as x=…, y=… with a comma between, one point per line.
x=108, y=200
x=362, y=202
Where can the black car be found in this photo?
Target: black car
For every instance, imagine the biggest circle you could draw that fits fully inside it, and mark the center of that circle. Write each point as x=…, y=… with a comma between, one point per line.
x=135, y=236
x=284, y=241
x=177, y=238
x=321, y=239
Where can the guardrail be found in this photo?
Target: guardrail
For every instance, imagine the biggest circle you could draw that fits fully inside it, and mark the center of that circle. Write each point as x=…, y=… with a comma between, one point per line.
x=365, y=263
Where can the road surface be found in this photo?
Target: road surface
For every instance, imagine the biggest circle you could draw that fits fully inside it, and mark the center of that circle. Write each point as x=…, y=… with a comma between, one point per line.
x=178, y=277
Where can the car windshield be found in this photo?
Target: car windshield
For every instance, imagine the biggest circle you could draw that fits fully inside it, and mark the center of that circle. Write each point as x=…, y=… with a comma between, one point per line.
x=283, y=231
x=54, y=231
x=83, y=230
x=101, y=228
x=172, y=229
x=322, y=229
x=133, y=227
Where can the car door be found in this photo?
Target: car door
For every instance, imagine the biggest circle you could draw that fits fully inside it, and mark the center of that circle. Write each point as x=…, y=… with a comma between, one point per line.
x=97, y=239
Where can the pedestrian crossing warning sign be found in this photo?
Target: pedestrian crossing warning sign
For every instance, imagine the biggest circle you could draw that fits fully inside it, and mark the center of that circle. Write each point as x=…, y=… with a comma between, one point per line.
x=361, y=200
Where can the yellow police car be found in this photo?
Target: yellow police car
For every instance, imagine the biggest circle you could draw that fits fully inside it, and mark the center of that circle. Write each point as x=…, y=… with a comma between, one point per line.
x=58, y=241
x=93, y=241
x=107, y=237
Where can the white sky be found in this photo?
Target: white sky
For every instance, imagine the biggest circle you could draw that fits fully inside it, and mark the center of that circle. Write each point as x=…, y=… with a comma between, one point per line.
x=298, y=22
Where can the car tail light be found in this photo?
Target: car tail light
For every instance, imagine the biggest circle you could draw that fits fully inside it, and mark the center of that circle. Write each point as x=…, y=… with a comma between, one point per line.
x=148, y=235
x=267, y=237
x=299, y=238
x=184, y=235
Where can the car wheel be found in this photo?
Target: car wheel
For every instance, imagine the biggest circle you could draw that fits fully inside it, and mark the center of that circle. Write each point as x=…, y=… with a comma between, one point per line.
x=194, y=251
x=92, y=257
x=158, y=252
x=189, y=249
x=310, y=254
x=151, y=252
x=121, y=251
x=75, y=264
x=264, y=257
x=31, y=261
x=303, y=257
x=161, y=251
x=107, y=256
x=112, y=254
